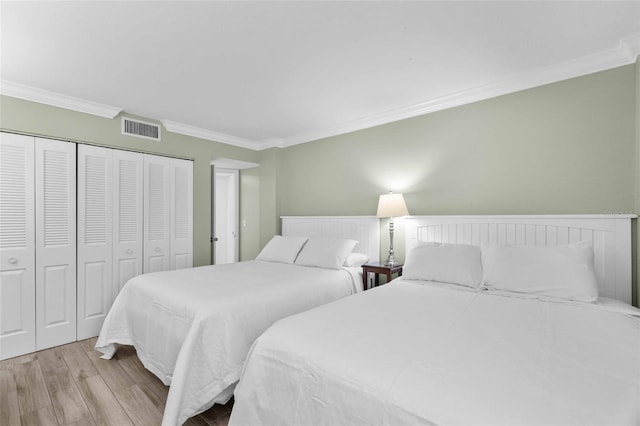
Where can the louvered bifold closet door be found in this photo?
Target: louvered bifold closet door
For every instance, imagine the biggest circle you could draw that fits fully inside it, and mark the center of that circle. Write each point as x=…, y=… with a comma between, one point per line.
x=17, y=246
x=181, y=214
x=55, y=243
x=95, y=238
x=127, y=217
x=157, y=208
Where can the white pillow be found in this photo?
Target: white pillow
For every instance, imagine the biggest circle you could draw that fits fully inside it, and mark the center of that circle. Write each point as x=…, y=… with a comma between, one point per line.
x=448, y=263
x=355, y=260
x=327, y=253
x=565, y=271
x=282, y=249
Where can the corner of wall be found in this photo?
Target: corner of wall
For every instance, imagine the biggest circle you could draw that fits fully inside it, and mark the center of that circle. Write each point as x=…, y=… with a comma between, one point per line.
x=636, y=234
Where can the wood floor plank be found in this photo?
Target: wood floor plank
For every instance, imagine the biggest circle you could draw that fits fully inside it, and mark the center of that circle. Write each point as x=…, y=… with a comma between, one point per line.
x=102, y=404
x=67, y=401
x=220, y=421
x=218, y=413
x=111, y=371
x=9, y=408
x=51, y=359
x=196, y=421
x=24, y=358
x=148, y=382
x=85, y=421
x=41, y=417
x=7, y=379
x=64, y=386
x=32, y=390
x=141, y=410
x=78, y=362
x=89, y=344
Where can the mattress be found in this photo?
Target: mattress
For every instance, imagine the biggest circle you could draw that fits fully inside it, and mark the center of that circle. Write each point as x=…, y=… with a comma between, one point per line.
x=414, y=352
x=193, y=327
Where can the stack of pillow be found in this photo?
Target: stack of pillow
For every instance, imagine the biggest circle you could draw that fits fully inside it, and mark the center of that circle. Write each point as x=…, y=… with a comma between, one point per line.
x=329, y=253
x=564, y=271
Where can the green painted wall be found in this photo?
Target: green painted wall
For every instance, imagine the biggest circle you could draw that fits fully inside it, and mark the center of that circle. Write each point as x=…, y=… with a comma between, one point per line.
x=567, y=147
x=33, y=118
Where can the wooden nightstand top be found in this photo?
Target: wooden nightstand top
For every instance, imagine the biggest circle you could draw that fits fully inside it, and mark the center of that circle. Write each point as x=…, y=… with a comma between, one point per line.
x=380, y=266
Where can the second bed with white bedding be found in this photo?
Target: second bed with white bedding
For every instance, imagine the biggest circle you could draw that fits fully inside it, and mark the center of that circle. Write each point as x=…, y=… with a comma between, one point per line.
x=427, y=353
x=525, y=332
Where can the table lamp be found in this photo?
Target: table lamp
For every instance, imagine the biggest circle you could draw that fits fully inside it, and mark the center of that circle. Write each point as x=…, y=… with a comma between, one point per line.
x=391, y=205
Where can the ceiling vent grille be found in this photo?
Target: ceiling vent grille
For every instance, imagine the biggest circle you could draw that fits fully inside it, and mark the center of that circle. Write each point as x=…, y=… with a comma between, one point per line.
x=140, y=129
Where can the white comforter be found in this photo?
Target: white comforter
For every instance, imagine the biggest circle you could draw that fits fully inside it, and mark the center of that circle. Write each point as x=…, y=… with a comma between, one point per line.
x=410, y=353
x=193, y=327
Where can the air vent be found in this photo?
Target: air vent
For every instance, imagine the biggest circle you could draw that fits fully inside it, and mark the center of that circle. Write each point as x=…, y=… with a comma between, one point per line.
x=140, y=129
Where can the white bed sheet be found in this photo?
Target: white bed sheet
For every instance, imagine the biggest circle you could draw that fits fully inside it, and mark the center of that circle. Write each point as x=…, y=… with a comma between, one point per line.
x=194, y=327
x=417, y=353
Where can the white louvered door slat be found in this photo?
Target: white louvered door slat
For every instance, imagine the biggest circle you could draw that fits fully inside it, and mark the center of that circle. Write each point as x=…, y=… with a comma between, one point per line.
x=95, y=238
x=127, y=217
x=157, y=199
x=17, y=246
x=55, y=243
x=181, y=214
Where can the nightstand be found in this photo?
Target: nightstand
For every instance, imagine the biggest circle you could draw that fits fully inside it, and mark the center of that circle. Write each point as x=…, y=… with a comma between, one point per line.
x=378, y=268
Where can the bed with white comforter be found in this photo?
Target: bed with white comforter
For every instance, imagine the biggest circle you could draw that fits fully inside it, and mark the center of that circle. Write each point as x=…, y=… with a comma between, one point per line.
x=193, y=327
x=416, y=352
x=495, y=321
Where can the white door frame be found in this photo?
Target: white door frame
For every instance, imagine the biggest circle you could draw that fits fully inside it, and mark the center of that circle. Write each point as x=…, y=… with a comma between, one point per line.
x=225, y=181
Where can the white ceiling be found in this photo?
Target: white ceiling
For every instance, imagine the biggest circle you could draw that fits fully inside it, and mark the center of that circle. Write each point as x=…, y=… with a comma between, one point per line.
x=260, y=74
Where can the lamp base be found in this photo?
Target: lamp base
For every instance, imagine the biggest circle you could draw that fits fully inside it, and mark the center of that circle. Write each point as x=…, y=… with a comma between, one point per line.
x=391, y=261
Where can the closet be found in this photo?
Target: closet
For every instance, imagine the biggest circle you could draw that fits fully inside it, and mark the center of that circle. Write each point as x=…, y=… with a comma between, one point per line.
x=134, y=216
x=62, y=264
x=37, y=244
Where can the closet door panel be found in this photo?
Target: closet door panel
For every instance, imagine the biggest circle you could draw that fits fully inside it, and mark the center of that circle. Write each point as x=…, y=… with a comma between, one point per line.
x=127, y=217
x=95, y=238
x=55, y=243
x=181, y=214
x=17, y=246
x=157, y=199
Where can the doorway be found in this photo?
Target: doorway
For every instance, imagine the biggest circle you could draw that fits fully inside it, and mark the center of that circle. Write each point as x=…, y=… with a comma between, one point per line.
x=225, y=215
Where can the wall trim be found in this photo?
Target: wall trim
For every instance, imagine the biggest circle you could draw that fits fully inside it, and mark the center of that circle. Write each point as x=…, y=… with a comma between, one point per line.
x=21, y=91
x=625, y=53
x=197, y=132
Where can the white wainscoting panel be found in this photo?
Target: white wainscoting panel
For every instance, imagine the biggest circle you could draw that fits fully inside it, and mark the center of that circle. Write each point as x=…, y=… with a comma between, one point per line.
x=609, y=234
x=364, y=229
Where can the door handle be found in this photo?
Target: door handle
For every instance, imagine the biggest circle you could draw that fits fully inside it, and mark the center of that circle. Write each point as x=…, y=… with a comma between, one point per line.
x=215, y=239
x=129, y=251
x=13, y=260
x=158, y=249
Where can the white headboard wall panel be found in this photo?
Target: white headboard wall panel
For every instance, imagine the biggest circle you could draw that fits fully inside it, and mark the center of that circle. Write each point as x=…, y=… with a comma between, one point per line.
x=610, y=235
x=364, y=229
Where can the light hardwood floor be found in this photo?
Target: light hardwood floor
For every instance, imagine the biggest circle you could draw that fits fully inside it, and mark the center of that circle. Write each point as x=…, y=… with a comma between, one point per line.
x=70, y=385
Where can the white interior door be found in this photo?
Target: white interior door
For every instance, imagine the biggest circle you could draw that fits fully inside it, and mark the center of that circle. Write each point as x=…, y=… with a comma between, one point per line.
x=128, y=188
x=55, y=180
x=17, y=246
x=157, y=199
x=95, y=238
x=225, y=215
x=181, y=215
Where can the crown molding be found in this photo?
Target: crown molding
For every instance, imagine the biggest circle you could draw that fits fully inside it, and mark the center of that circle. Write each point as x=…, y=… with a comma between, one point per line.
x=197, y=132
x=626, y=52
x=21, y=91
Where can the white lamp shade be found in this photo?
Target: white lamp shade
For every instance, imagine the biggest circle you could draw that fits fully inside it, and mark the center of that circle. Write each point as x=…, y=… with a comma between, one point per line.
x=392, y=205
